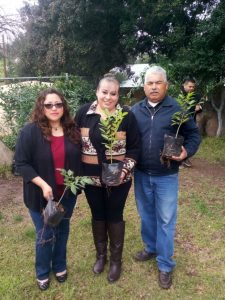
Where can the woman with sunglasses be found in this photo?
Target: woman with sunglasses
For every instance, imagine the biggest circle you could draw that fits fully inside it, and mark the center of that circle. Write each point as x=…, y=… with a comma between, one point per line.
x=50, y=141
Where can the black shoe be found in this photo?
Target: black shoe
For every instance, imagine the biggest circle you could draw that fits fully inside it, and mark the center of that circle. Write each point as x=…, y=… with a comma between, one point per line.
x=186, y=163
x=61, y=278
x=43, y=286
x=144, y=255
x=165, y=279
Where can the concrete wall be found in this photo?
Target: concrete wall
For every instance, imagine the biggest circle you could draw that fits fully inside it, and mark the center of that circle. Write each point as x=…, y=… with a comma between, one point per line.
x=6, y=155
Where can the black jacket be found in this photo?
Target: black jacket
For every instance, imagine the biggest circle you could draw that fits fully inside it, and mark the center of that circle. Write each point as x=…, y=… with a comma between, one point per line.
x=33, y=158
x=128, y=146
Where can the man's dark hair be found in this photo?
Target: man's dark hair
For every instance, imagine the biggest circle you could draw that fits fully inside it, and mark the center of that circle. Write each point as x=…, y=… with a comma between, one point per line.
x=189, y=79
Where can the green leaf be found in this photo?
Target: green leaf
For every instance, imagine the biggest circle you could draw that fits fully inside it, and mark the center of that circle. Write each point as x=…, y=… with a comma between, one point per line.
x=74, y=182
x=70, y=173
x=73, y=189
x=186, y=102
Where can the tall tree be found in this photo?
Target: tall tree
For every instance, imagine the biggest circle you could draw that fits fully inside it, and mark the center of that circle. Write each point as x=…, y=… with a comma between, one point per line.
x=204, y=57
x=88, y=37
x=81, y=37
x=156, y=26
x=9, y=27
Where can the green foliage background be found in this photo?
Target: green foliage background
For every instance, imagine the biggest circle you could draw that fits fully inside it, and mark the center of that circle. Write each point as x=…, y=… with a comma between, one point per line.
x=88, y=38
x=18, y=100
x=91, y=37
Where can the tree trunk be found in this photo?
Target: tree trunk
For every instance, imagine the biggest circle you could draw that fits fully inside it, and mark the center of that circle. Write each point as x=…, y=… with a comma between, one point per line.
x=219, y=111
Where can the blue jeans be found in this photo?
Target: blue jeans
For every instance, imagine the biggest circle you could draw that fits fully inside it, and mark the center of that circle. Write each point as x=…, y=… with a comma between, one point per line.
x=156, y=199
x=51, y=242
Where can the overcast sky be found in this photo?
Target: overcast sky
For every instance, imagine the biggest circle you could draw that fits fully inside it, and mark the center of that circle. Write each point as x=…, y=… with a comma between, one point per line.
x=10, y=7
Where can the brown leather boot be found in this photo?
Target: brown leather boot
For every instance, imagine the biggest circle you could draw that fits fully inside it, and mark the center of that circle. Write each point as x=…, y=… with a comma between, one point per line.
x=99, y=231
x=116, y=233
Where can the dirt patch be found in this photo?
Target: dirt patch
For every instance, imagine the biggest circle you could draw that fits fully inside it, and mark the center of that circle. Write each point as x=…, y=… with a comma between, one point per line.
x=202, y=172
x=11, y=189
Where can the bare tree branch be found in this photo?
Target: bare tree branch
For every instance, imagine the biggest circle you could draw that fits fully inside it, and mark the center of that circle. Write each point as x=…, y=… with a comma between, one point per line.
x=9, y=23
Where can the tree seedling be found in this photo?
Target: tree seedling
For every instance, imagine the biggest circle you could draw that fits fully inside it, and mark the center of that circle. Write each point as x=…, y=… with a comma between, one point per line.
x=109, y=127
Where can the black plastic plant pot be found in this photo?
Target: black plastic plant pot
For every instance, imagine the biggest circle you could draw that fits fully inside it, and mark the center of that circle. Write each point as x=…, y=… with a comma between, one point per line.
x=172, y=145
x=111, y=172
x=53, y=213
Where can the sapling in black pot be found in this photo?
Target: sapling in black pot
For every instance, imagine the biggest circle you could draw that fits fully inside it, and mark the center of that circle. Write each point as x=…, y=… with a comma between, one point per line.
x=173, y=143
x=54, y=211
x=111, y=169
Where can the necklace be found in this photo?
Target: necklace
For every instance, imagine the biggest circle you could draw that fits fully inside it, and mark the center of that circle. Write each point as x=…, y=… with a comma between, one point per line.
x=56, y=128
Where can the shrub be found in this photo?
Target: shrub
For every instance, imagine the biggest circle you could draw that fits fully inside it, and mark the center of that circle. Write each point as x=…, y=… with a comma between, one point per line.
x=5, y=171
x=76, y=90
x=17, y=102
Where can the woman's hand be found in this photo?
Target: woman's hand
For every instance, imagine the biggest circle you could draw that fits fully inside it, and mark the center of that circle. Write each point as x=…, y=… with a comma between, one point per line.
x=47, y=192
x=46, y=189
x=123, y=175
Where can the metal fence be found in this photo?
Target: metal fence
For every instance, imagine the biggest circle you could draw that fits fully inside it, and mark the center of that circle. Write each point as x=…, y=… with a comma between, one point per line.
x=39, y=78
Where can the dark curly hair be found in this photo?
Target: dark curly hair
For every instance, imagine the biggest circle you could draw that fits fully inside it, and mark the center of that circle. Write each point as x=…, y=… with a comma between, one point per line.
x=70, y=128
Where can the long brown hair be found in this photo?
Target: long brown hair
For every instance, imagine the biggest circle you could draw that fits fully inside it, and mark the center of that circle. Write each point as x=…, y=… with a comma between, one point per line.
x=70, y=128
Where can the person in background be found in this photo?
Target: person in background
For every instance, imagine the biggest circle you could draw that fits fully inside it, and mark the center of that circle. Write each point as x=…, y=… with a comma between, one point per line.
x=107, y=203
x=156, y=185
x=189, y=86
x=50, y=141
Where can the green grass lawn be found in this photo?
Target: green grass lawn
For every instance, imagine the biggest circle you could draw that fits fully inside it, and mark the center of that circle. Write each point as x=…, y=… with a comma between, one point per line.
x=199, y=250
x=212, y=149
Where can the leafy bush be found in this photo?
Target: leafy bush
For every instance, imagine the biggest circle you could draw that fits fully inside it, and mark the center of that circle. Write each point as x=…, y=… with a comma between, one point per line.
x=17, y=102
x=9, y=140
x=76, y=90
x=5, y=171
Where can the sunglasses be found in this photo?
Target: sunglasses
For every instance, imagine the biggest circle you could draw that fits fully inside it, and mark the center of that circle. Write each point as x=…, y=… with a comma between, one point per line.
x=50, y=105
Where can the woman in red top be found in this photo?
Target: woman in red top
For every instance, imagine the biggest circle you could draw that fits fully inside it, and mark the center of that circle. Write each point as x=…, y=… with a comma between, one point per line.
x=50, y=141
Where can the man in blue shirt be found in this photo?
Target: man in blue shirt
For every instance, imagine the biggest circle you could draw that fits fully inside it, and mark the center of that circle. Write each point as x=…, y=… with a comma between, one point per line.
x=156, y=184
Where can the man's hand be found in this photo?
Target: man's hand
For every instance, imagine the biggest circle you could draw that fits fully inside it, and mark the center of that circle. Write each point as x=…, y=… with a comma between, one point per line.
x=182, y=156
x=198, y=107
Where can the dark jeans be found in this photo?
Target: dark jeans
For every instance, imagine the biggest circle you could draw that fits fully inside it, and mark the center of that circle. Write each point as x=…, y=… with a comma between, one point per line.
x=107, y=204
x=51, y=242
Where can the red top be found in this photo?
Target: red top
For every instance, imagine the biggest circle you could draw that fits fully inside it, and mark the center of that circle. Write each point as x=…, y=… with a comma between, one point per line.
x=58, y=153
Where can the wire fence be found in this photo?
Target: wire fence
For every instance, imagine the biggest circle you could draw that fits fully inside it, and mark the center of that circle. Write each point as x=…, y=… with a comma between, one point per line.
x=39, y=78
